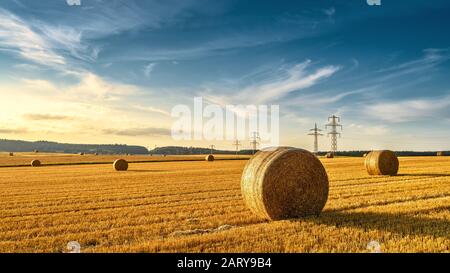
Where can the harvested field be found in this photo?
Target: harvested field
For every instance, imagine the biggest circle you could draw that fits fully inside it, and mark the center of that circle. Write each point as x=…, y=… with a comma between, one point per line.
x=23, y=159
x=196, y=206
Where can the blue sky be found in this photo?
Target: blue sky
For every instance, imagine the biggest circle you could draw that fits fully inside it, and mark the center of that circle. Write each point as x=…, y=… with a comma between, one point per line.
x=111, y=71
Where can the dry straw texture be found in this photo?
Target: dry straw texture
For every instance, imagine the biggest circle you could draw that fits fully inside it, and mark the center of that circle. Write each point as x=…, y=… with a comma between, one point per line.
x=209, y=158
x=284, y=183
x=381, y=163
x=120, y=165
x=329, y=155
x=35, y=163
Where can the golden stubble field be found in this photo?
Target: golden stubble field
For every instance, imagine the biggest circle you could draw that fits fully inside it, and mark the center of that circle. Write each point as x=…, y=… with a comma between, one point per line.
x=196, y=206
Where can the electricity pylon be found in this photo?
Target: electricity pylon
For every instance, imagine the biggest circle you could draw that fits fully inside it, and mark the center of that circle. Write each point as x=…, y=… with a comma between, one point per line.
x=316, y=133
x=255, y=141
x=237, y=143
x=334, y=125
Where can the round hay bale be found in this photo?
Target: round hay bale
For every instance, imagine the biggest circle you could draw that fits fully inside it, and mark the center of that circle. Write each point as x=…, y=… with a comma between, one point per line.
x=209, y=158
x=36, y=151
x=284, y=183
x=120, y=165
x=441, y=154
x=35, y=163
x=81, y=153
x=11, y=154
x=96, y=154
x=329, y=155
x=381, y=163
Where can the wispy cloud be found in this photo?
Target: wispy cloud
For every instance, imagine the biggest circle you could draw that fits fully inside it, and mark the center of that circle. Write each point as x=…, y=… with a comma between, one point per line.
x=17, y=36
x=330, y=12
x=370, y=130
x=46, y=117
x=293, y=79
x=139, y=132
x=148, y=69
x=13, y=130
x=431, y=59
x=410, y=110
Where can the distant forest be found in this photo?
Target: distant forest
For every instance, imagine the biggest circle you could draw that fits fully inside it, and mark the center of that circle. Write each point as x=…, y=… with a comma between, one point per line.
x=54, y=147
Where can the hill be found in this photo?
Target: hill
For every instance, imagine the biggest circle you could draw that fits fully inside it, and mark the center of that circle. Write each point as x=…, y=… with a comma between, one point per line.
x=55, y=147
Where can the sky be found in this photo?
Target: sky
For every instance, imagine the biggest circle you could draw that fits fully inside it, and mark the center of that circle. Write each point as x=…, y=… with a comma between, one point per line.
x=110, y=71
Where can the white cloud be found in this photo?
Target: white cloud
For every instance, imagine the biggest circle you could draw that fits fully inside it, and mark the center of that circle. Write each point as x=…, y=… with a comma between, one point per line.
x=148, y=69
x=293, y=79
x=330, y=12
x=92, y=86
x=17, y=36
x=410, y=110
x=370, y=130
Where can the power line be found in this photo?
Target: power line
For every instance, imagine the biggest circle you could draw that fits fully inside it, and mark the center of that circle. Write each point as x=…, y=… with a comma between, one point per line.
x=237, y=143
x=212, y=148
x=334, y=124
x=255, y=141
x=316, y=133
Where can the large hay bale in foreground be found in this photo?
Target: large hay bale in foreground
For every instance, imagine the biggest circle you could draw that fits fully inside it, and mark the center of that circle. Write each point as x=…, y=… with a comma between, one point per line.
x=209, y=158
x=381, y=163
x=329, y=155
x=120, y=165
x=35, y=163
x=284, y=183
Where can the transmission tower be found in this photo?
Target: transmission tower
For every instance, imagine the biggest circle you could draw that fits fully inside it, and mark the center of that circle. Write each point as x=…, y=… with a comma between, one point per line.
x=334, y=125
x=237, y=143
x=212, y=148
x=255, y=141
x=316, y=133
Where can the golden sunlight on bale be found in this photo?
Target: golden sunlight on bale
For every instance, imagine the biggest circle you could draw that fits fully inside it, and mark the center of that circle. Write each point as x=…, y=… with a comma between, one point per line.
x=441, y=154
x=284, y=183
x=35, y=163
x=381, y=163
x=36, y=151
x=209, y=158
x=365, y=155
x=81, y=153
x=329, y=155
x=120, y=165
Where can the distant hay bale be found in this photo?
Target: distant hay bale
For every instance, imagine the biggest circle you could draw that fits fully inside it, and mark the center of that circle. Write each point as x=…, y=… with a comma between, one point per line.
x=81, y=153
x=36, y=151
x=284, y=183
x=329, y=155
x=11, y=154
x=120, y=165
x=441, y=154
x=95, y=153
x=364, y=155
x=209, y=158
x=35, y=163
x=381, y=163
